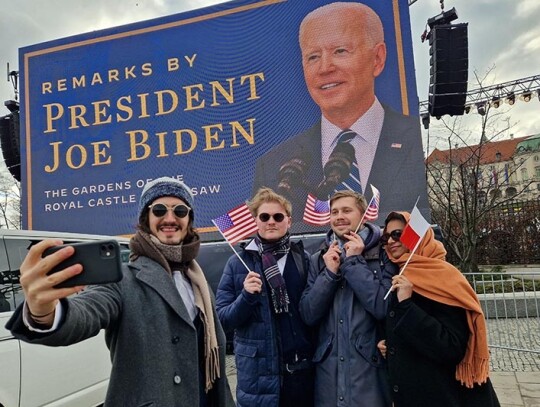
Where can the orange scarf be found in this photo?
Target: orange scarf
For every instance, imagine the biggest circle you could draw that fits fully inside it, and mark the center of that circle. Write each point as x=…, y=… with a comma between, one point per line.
x=439, y=281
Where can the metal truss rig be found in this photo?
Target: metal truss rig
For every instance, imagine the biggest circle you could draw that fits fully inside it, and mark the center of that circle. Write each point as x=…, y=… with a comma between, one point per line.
x=525, y=89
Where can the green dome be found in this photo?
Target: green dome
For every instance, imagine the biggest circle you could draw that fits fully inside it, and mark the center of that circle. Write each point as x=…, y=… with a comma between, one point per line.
x=531, y=144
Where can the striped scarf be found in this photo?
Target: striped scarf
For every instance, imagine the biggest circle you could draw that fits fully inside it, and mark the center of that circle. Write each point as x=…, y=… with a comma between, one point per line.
x=270, y=253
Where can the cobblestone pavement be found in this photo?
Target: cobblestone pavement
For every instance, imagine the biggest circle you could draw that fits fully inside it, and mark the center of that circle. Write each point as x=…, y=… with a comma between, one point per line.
x=514, y=344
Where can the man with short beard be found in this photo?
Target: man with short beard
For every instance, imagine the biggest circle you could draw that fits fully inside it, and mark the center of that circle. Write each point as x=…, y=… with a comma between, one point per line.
x=344, y=300
x=167, y=345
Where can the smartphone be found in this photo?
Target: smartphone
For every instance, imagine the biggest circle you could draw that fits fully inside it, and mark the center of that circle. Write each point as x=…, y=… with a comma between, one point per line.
x=101, y=261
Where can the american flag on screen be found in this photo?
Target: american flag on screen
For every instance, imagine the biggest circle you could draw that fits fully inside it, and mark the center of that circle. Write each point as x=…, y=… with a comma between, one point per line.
x=236, y=224
x=372, y=211
x=316, y=212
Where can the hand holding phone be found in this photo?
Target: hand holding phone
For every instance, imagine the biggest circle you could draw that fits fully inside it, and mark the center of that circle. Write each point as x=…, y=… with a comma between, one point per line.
x=101, y=261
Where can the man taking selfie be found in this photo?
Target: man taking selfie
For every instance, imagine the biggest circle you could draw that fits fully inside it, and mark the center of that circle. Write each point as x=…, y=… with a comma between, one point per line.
x=167, y=345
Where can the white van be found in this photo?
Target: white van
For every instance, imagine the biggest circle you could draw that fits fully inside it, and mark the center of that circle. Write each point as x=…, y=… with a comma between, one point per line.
x=37, y=375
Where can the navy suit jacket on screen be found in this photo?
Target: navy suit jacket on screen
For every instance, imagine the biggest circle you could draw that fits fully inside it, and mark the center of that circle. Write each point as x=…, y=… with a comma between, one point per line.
x=398, y=169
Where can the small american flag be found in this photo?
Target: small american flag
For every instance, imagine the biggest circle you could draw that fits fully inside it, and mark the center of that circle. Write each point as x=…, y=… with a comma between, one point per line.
x=372, y=211
x=317, y=212
x=236, y=224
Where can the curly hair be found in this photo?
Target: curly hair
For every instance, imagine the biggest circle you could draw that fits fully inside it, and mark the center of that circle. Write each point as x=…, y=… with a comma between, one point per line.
x=267, y=195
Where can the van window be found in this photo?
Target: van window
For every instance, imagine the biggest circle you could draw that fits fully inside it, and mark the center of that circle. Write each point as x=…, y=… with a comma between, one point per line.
x=16, y=252
x=124, y=254
x=6, y=293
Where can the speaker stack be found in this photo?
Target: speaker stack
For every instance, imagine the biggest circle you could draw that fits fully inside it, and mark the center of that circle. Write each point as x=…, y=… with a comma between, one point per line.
x=449, y=67
x=9, y=141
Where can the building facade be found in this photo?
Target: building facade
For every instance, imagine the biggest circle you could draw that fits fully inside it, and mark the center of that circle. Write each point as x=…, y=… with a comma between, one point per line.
x=492, y=170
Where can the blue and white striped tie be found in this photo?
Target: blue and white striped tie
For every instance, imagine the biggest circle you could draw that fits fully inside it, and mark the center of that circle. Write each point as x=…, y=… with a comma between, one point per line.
x=353, y=182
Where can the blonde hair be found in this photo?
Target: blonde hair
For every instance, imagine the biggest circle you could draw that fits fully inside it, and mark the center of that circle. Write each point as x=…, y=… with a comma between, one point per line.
x=359, y=199
x=267, y=195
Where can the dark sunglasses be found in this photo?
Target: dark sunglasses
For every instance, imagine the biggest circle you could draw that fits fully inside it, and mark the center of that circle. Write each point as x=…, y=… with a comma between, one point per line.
x=265, y=217
x=394, y=234
x=160, y=210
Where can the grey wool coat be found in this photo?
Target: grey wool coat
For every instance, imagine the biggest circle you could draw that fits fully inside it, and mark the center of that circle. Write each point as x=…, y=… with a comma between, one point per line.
x=152, y=340
x=348, y=309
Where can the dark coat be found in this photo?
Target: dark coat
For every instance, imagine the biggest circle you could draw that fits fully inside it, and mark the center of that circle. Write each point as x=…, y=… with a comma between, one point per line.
x=398, y=169
x=425, y=341
x=152, y=340
x=348, y=311
x=256, y=345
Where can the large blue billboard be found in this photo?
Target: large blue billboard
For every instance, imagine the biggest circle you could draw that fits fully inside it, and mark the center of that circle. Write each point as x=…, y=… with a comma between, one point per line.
x=200, y=96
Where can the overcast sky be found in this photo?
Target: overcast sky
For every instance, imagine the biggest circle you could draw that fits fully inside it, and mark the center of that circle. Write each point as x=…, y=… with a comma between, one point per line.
x=504, y=37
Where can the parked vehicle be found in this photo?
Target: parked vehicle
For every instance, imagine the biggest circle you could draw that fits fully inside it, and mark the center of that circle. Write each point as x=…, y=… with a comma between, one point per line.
x=36, y=375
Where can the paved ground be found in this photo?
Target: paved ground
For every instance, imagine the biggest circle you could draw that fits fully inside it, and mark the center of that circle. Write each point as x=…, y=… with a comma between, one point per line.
x=517, y=388
x=514, y=389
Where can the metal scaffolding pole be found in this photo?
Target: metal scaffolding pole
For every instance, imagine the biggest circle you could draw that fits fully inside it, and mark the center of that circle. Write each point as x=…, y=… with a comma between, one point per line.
x=525, y=89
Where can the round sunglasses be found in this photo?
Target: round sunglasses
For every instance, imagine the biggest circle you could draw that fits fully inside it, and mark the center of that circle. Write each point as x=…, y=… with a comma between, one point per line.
x=160, y=210
x=265, y=217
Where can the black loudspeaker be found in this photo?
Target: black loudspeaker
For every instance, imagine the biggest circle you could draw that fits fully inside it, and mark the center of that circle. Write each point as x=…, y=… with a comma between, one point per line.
x=449, y=69
x=9, y=141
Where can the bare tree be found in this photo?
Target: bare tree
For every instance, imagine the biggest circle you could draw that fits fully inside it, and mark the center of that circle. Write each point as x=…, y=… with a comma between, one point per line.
x=465, y=183
x=10, y=201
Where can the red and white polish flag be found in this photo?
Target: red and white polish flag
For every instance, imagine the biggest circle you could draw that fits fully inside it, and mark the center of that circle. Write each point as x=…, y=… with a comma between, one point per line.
x=415, y=230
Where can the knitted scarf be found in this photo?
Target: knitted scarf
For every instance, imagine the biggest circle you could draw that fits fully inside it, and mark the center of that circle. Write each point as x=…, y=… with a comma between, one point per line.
x=270, y=253
x=143, y=244
x=438, y=280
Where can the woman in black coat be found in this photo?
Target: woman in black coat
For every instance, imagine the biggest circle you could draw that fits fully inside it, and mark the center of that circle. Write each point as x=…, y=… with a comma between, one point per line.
x=436, y=344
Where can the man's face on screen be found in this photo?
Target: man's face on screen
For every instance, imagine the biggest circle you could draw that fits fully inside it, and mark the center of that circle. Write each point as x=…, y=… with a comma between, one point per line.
x=340, y=63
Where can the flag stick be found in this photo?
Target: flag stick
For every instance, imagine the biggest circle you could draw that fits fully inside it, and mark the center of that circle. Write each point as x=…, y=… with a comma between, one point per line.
x=403, y=268
x=409, y=259
x=360, y=223
x=235, y=252
x=363, y=216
